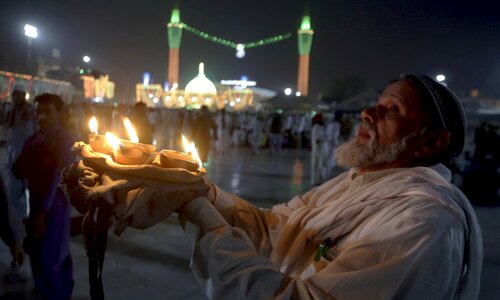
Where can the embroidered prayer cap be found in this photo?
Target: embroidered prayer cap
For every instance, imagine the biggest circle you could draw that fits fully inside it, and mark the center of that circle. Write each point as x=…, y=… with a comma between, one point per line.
x=448, y=108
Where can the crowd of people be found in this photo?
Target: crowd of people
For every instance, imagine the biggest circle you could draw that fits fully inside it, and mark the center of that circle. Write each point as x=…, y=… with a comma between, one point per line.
x=38, y=137
x=211, y=130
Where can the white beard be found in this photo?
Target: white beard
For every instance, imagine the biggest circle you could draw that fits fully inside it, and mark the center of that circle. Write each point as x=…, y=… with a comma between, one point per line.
x=353, y=154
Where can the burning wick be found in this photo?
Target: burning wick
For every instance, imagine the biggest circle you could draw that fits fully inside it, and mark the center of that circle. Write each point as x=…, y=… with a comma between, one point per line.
x=190, y=150
x=127, y=154
x=188, y=160
x=130, y=130
x=113, y=141
x=93, y=125
x=97, y=141
x=134, y=139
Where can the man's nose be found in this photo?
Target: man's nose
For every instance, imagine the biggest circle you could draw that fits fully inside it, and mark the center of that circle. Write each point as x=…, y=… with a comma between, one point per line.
x=369, y=115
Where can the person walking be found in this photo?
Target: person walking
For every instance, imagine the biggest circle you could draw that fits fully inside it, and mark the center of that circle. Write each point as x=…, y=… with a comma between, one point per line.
x=40, y=163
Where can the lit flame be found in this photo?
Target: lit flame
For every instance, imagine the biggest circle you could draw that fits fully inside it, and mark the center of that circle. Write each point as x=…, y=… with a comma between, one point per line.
x=189, y=148
x=113, y=141
x=130, y=130
x=93, y=125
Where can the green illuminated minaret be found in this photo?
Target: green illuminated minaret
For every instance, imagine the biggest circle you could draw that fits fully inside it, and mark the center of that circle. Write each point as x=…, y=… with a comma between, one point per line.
x=304, y=38
x=174, y=42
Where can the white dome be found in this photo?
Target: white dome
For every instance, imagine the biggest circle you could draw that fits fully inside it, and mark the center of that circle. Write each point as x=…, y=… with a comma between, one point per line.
x=201, y=84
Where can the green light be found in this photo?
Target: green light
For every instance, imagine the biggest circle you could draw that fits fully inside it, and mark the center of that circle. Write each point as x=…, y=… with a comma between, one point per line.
x=233, y=45
x=306, y=23
x=81, y=71
x=176, y=16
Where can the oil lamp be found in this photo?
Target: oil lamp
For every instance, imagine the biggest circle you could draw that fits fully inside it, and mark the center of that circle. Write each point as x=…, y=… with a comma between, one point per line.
x=97, y=141
x=188, y=160
x=127, y=154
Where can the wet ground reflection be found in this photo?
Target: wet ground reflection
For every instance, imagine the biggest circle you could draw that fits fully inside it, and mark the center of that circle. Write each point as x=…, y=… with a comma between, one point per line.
x=261, y=179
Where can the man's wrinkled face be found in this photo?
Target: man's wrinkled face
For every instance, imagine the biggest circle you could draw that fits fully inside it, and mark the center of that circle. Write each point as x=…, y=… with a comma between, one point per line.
x=47, y=115
x=385, y=135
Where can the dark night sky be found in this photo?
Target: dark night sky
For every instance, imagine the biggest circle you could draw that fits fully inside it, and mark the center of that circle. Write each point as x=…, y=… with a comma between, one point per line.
x=372, y=39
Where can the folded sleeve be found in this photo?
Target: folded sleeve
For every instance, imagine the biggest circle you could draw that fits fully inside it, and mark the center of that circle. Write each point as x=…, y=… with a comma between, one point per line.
x=258, y=223
x=226, y=265
x=227, y=261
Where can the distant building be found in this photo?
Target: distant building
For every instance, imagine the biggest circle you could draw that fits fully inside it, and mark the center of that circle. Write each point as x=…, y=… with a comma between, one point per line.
x=200, y=91
x=34, y=85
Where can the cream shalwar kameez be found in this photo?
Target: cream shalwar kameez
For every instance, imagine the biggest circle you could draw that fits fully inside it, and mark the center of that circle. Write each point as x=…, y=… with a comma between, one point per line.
x=398, y=234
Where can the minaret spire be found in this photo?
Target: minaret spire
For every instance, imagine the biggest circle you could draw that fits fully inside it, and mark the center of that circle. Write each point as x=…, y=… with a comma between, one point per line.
x=174, y=43
x=304, y=39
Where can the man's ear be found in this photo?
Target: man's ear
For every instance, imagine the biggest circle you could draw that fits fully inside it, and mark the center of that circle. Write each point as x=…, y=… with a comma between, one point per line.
x=433, y=143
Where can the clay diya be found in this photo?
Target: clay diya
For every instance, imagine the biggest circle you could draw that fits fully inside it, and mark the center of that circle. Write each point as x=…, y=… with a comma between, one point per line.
x=176, y=159
x=131, y=155
x=126, y=152
x=99, y=144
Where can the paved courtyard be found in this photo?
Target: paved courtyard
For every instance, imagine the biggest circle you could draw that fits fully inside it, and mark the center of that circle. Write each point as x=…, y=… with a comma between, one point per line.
x=153, y=264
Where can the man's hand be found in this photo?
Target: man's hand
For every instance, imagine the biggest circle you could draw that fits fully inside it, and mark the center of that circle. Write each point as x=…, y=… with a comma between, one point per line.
x=187, y=196
x=137, y=202
x=77, y=179
x=80, y=174
x=17, y=256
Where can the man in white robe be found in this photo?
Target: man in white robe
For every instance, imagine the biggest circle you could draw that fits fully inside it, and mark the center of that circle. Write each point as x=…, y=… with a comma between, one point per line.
x=332, y=141
x=223, y=122
x=318, y=157
x=392, y=227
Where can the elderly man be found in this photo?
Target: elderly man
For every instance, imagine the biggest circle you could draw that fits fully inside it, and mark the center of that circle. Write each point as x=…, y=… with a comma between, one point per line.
x=392, y=227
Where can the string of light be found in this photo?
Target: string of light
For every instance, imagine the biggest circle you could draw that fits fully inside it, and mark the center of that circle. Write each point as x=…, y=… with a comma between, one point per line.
x=234, y=45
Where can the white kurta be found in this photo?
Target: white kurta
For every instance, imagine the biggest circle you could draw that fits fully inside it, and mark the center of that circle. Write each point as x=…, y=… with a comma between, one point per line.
x=17, y=135
x=318, y=157
x=332, y=141
x=397, y=233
